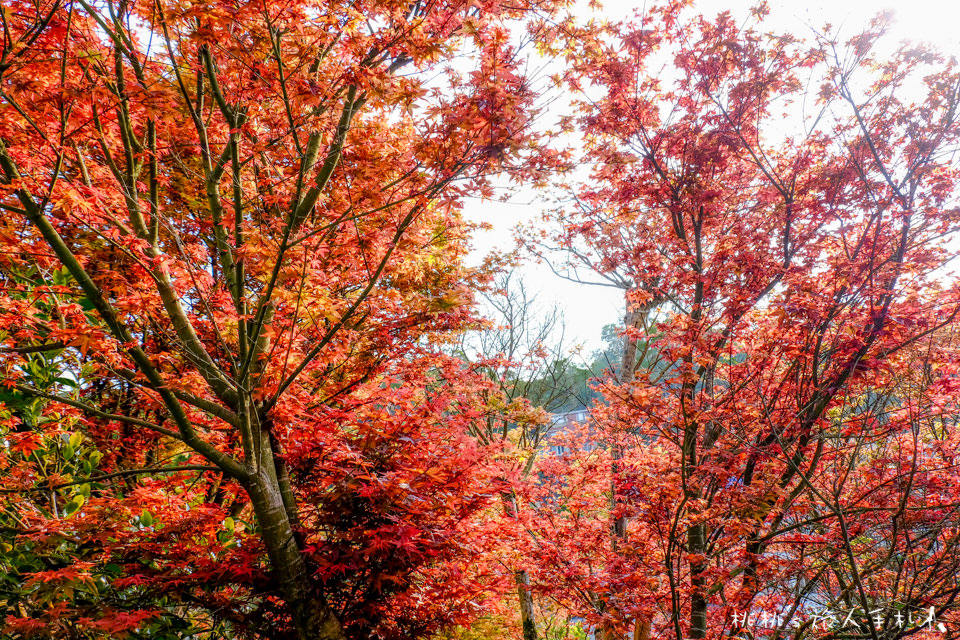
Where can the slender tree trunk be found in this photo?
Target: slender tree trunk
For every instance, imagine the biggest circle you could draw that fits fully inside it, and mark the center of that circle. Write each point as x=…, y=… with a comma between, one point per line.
x=312, y=616
x=522, y=578
x=633, y=319
x=696, y=544
x=628, y=362
x=696, y=533
x=526, y=605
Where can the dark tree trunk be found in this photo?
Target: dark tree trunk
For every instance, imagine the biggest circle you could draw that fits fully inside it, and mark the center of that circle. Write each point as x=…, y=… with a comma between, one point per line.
x=696, y=542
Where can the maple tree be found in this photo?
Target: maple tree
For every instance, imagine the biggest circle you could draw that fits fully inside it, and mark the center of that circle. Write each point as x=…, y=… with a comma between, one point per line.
x=232, y=251
x=781, y=436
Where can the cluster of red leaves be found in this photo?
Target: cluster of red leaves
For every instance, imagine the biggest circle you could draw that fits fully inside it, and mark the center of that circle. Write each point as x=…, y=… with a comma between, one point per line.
x=786, y=441
x=232, y=260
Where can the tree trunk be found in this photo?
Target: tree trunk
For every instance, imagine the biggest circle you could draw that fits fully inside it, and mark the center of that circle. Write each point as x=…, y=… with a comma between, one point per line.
x=696, y=534
x=633, y=319
x=642, y=629
x=312, y=616
x=696, y=543
x=522, y=578
x=526, y=605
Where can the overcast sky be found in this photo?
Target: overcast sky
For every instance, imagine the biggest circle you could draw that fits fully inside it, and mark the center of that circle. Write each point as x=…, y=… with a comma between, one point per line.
x=588, y=308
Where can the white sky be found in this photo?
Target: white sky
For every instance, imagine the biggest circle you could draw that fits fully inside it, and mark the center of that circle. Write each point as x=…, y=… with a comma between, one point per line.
x=587, y=308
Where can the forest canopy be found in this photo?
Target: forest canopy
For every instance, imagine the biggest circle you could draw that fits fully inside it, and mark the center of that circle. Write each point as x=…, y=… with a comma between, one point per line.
x=253, y=386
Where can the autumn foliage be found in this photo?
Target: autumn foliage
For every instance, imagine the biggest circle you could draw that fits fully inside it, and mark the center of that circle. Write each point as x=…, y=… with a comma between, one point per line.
x=779, y=441
x=232, y=255
x=234, y=286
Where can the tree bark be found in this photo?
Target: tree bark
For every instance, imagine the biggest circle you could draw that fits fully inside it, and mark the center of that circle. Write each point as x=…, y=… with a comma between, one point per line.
x=522, y=579
x=312, y=617
x=526, y=605
x=696, y=543
x=633, y=319
x=642, y=629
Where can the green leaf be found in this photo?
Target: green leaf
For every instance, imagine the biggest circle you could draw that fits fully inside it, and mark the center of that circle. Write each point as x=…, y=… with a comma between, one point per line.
x=62, y=276
x=74, y=504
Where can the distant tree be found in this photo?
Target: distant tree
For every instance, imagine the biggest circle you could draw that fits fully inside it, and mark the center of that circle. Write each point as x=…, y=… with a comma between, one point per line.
x=521, y=350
